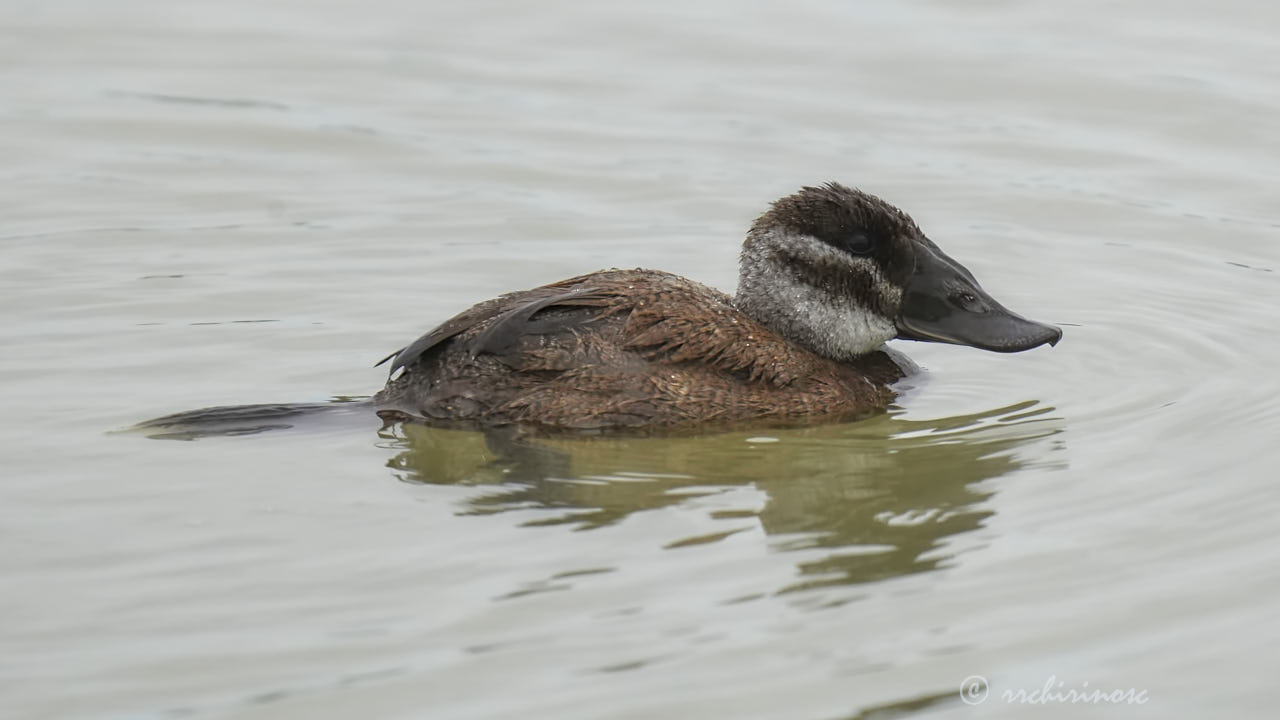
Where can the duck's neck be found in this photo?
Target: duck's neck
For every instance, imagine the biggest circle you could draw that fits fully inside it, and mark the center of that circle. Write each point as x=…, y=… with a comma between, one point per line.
x=792, y=285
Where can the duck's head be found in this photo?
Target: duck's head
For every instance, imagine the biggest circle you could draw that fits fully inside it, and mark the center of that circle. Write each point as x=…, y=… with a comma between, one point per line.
x=842, y=272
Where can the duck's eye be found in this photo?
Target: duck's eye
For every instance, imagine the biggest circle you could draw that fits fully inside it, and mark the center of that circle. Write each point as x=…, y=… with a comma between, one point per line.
x=859, y=242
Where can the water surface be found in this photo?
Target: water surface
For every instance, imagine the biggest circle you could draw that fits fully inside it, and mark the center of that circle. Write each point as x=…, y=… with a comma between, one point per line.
x=212, y=203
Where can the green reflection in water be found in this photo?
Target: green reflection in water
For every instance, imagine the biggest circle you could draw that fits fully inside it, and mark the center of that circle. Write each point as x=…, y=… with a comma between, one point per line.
x=880, y=494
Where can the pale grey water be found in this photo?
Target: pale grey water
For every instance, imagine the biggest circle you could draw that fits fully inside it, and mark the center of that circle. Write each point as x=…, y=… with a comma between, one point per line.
x=210, y=203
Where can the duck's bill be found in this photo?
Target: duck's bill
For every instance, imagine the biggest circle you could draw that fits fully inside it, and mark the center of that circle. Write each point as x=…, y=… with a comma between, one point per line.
x=942, y=302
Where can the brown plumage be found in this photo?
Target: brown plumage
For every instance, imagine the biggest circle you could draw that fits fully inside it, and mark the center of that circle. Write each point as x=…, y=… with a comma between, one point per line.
x=623, y=349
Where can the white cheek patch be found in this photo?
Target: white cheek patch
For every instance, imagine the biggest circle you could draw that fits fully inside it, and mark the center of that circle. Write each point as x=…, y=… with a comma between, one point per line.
x=836, y=330
x=836, y=327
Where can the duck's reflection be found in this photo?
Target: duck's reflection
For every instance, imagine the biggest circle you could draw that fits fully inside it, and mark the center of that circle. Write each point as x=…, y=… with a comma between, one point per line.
x=875, y=497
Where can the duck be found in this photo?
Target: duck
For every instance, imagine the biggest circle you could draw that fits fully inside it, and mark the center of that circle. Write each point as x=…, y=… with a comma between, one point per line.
x=826, y=277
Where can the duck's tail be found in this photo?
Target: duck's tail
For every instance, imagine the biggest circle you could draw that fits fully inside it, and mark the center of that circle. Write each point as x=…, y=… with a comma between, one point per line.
x=248, y=419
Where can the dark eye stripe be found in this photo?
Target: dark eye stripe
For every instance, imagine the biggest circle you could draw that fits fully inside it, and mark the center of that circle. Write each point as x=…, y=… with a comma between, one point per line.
x=844, y=283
